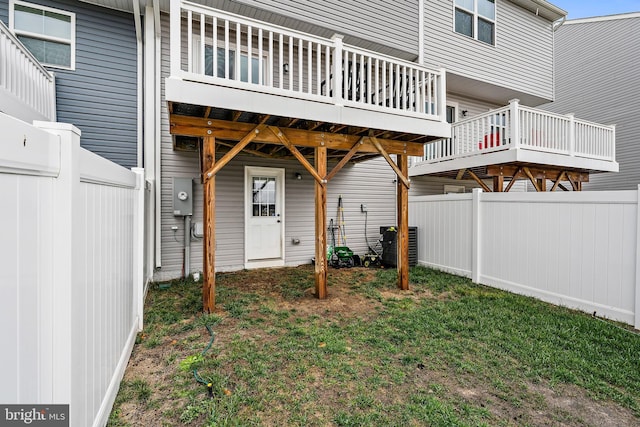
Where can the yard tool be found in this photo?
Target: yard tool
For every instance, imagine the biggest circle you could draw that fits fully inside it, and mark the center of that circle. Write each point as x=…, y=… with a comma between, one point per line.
x=342, y=236
x=338, y=256
x=374, y=256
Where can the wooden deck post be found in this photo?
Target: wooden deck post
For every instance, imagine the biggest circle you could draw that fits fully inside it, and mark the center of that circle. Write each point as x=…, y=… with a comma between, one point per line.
x=403, y=225
x=320, y=270
x=209, y=221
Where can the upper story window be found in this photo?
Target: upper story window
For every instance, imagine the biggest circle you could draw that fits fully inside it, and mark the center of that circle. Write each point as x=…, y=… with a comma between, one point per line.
x=477, y=19
x=48, y=33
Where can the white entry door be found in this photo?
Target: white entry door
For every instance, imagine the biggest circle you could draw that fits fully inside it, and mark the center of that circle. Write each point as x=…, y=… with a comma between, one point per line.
x=264, y=217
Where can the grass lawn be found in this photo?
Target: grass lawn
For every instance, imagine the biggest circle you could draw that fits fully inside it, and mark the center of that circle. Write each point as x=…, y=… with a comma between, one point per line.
x=445, y=353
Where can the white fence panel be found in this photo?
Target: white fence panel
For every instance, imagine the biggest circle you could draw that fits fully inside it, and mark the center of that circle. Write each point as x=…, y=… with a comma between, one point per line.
x=445, y=225
x=71, y=272
x=574, y=249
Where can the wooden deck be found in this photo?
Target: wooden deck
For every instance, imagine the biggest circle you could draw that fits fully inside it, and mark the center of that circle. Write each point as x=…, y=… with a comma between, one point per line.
x=516, y=142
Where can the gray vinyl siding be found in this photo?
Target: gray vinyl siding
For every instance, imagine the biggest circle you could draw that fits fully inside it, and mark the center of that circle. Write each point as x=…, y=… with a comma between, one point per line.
x=597, y=78
x=369, y=182
x=4, y=12
x=522, y=58
x=363, y=23
x=100, y=95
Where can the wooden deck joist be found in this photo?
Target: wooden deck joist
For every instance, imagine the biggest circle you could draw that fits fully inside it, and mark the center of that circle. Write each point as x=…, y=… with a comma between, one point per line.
x=537, y=175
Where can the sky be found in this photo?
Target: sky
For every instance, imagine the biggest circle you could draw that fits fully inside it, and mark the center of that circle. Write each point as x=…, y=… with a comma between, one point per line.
x=588, y=8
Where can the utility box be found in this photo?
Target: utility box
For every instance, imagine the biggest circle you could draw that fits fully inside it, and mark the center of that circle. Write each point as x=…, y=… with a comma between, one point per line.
x=389, y=242
x=182, y=196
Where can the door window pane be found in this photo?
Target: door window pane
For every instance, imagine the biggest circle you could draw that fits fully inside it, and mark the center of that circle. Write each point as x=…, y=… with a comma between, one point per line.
x=264, y=196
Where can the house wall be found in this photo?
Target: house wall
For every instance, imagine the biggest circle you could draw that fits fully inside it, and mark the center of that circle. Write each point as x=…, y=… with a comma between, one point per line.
x=100, y=95
x=363, y=24
x=370, y=182
x=597, y=79
x=522, y=58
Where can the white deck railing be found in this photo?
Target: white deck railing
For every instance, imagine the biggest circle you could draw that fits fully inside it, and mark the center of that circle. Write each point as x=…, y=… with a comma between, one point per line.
x=28, y=89
x=286, y=62
x=532, y=129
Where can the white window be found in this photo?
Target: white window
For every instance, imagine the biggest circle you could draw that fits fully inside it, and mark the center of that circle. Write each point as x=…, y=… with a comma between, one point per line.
x=477, y=19
x=48, y=33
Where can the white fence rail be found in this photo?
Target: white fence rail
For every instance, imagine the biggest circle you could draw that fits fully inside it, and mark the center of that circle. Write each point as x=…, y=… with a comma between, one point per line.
x=276, y=60
x=532, y=129
x=578, y=249
x=71, y=270
x=27, y=89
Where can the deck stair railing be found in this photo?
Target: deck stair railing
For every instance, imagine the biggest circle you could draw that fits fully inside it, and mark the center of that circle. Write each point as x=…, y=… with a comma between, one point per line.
x=28, y=88
x=205, y=43
x=516, y=126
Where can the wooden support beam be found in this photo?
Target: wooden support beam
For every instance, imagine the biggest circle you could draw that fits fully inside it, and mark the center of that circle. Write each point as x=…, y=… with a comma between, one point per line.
x=236, y=115
x=498, y=184
x=262, y=119
x=402, y=205
x=513, y=180
x=460, y=174
x=479, y=181
x=402, y=177
x=537, y=171
x=563, y=188
x=320, y=267
x=209, y=221
x=207, y=111
x=574, y=183
x=557, y=182
x=246, y=150
x=528, y=173
x=303, y=160
x=234, y=131
x=542, y=184
x=233, y=152
x=344, y=160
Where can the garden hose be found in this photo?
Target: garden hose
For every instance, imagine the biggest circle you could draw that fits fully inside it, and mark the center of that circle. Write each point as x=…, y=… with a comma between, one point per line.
x=197, y=376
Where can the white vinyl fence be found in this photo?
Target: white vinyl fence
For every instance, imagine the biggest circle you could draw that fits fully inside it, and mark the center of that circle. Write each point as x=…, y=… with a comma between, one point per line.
x=71, y=275
x=576, y=249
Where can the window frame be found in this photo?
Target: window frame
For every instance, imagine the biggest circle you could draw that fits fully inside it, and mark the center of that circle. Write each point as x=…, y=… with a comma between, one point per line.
x=38, y=36
x=476, y=18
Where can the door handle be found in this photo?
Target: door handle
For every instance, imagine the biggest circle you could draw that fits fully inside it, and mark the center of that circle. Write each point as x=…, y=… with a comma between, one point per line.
x=278, y=221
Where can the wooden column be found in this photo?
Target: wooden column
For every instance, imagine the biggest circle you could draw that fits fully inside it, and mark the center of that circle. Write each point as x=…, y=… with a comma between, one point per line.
x=321, y=224
x=209, y=221
x=498, y=183
x=402, y=204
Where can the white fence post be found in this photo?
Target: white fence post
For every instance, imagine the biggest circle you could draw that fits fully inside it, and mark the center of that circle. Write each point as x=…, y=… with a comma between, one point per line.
x=636, y=309
x=338, y=99
x=515, y=123
x=138, y=246
x=66, y=190
x=477, y=235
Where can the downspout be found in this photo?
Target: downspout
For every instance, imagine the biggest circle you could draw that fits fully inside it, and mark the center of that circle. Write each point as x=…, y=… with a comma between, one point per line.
x=158, y=134
x=421, y=32
x=559, y=23
x=139, y=58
